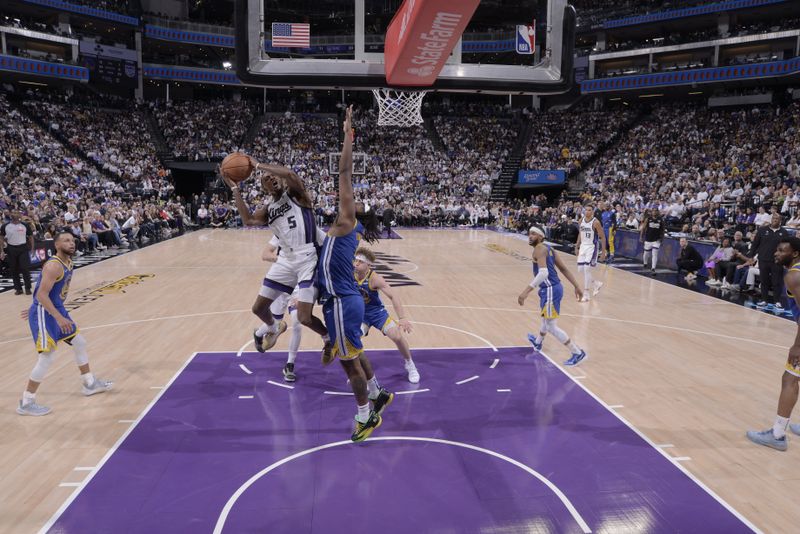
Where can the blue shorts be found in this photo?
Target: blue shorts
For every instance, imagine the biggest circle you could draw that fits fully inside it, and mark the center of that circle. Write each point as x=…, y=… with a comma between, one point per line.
x=45, y=330
x=550, y=300
x=376, y=317
x=343, y=316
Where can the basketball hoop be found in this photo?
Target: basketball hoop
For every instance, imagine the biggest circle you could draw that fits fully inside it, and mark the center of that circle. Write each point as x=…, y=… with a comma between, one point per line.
x=399, y=108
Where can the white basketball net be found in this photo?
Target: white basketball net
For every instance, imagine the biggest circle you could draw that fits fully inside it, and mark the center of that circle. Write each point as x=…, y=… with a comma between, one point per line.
x=399, y=108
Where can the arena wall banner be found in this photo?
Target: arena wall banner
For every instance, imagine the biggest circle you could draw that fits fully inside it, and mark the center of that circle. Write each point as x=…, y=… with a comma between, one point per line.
x=541, y=177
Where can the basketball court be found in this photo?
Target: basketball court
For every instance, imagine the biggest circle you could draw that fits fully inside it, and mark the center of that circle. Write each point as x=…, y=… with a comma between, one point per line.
x=201, y=433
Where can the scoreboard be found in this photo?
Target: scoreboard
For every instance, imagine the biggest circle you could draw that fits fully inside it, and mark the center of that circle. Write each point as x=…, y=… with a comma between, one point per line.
x=112, y=65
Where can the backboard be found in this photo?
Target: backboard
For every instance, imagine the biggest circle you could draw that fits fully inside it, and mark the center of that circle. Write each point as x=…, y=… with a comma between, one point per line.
x=347, y=46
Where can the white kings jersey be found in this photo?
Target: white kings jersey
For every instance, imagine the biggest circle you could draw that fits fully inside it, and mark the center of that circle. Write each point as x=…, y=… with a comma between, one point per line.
x=588, y=235
x=293, y=224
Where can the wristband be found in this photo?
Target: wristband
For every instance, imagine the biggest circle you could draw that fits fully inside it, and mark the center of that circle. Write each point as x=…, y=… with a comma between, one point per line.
x=234, y=188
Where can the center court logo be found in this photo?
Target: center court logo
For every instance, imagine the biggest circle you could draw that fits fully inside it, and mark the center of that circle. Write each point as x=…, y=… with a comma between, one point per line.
x=93, y=293
x=383, y=266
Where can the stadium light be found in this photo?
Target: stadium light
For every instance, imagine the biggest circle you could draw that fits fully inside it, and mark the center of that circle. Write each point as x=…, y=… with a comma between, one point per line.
x=226, y=65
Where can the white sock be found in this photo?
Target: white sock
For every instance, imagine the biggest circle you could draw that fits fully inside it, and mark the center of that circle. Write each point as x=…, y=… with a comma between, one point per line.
x=779, y=428
x=573, y=348
x=655, y=258
x=540, y=338
x=292, y=357
x=88, y=379
x=373, y=388
x=409, y=364
x=27, y=397
x=363, y=413
x=262, y=330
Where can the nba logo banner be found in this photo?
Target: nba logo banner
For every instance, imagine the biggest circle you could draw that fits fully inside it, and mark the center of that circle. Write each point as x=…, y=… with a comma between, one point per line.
x=526, y=39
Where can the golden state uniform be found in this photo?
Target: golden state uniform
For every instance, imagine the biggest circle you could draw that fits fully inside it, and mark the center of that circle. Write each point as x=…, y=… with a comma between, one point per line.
x=342, y=303
x=44, y=327
x=550, y=291
x=375, y=314
x=795, y=316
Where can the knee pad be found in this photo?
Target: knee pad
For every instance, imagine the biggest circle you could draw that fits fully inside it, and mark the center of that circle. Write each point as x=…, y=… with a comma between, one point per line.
x=42, y=365
x=548, y=325
x=79, y=346
x=559, y=334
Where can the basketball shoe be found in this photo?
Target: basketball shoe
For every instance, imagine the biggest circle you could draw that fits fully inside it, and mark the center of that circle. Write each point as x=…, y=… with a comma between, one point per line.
x=768, y=439
x=596, y=289
x=383, y=400
x=576, y=358
x=98, y=386
x=33, y=409
x=258, y=341
x=364, y=430
x=270, y=338
x=288, y=373
x=413, y=374
x=537, y=346
x=327, y=353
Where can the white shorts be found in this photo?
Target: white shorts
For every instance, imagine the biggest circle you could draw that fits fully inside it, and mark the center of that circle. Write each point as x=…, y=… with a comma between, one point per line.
x=587, y=255
x=298, y=269
x=651, y=245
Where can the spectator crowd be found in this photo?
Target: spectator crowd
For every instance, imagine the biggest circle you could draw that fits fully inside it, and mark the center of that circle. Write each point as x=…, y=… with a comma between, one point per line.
x=712, y=174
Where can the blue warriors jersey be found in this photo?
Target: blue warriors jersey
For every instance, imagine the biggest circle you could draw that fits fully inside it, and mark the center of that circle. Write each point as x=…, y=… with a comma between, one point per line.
x=790, y=298
x=44, y=327
x=372, y=298
x=335, y=269
x=552, y=274
x=58, y=293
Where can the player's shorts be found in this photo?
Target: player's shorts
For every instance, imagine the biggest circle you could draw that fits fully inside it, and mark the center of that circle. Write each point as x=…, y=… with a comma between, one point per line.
x=292, y=269
x=792, y=370
x=378, y=318
x=282, y=303
x=343, y=316
x=550, y=300
x=587, y=255
x=652, y=244
x=45, y=330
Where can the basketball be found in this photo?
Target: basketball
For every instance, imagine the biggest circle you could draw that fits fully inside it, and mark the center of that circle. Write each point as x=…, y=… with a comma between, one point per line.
x=236, y=167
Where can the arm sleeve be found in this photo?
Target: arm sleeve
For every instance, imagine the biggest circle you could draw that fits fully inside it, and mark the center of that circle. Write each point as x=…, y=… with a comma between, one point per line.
x=540, y=277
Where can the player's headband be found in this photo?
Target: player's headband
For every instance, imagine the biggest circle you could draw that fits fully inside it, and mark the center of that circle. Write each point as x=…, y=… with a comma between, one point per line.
x=536, y=230
x=361, y=257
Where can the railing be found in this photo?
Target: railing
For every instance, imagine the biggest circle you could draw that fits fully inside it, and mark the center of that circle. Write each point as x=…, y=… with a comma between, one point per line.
x=43, y=68
x=688, y=77
x=190, y=26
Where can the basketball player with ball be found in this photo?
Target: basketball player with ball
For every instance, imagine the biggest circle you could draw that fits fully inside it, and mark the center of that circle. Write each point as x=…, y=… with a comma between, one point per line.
x=289, y=215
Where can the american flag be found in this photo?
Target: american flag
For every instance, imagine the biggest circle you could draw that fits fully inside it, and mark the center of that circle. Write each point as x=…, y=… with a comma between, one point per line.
x=291, y=35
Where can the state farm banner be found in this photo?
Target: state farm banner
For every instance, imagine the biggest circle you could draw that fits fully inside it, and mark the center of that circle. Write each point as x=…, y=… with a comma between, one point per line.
x=420, y=38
